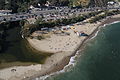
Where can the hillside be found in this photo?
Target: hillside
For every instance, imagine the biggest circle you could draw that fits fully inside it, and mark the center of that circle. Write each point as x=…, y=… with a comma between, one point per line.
x=22, y=5
x=79, y=2
x=99, y=3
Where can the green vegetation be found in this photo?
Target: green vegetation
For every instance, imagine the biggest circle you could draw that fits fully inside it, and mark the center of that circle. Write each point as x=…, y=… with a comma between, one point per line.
x=23, y=5
x=40, y=37
x=15, y=5
x=99, y=3
x=30, y=28
x=3, y=27
x=81, y=3
x=11, y=53
x=106, y=13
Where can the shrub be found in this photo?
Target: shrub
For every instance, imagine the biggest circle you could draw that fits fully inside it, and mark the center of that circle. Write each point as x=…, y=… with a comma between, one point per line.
x=40, y=37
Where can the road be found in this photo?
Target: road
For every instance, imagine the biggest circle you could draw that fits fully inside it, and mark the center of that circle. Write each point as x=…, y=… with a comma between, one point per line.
x=52, y=14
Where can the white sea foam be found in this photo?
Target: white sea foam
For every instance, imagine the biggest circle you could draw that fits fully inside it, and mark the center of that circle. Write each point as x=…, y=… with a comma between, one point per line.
x=94, y=35
x=103, y=26
x=115, y=22
x=111, y=23
x=72, y=61
x=71, y=64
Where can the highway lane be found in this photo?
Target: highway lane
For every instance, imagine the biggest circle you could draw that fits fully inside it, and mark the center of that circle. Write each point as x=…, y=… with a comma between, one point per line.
x=51, y=14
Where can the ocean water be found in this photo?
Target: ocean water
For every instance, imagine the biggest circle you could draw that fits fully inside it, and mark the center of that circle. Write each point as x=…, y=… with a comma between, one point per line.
x=100, y=59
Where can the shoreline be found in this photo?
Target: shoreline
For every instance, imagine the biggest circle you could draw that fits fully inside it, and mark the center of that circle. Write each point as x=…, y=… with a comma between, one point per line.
x=65, y=59
x=82, y=45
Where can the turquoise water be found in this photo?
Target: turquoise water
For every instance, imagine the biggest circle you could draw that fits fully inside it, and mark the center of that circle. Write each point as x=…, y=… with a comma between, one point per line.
x=100, y=60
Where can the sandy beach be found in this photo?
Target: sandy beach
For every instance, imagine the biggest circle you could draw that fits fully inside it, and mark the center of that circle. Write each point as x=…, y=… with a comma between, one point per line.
x=64, y=46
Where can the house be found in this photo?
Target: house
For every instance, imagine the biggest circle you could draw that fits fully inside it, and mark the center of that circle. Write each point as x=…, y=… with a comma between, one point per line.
x=111, y=3
x=32, y=7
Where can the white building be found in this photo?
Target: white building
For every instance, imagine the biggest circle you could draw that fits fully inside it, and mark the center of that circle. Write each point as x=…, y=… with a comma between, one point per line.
x=111, y=3
x=32, y=7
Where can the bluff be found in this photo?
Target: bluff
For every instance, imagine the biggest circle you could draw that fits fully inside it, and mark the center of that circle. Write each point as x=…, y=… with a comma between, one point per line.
x=23, y=5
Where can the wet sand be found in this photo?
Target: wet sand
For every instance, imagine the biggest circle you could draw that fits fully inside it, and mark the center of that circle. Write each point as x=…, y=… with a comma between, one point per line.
x=61, y=57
